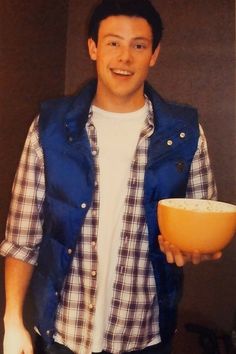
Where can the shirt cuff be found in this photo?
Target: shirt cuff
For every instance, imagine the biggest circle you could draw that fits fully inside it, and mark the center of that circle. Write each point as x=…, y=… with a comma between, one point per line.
x=25, y=254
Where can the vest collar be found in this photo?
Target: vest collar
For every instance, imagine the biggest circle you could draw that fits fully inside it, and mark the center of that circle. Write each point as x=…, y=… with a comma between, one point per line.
x=77, y=117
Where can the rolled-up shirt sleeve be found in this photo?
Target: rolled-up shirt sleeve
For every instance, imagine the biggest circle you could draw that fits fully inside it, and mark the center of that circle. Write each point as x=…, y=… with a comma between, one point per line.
x=24, y=223
x=201, y=182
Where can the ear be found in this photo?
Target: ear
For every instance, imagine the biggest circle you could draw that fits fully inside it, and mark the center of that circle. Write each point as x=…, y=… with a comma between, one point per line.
x=155, y=56
x=92, y=48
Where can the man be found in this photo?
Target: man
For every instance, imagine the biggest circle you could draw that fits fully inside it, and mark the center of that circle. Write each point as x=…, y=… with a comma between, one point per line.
x=83, y=213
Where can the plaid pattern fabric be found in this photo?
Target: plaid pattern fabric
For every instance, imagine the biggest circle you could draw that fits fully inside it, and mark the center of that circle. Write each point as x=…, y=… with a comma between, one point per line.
x=24, y=227
x=201, y=184
x=74, y=320
x=127, y=320
x=133, y=321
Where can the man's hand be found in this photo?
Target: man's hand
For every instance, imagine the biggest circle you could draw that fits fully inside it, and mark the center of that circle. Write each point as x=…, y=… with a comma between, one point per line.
x=174, y=255
x=17, y=277
x=17, y=340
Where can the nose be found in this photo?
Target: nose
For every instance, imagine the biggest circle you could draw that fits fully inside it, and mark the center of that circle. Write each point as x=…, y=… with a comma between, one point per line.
x=125, y=55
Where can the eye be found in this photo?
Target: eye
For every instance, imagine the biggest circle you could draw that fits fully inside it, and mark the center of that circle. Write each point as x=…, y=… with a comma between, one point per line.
x=139, y=46
x=113, y=44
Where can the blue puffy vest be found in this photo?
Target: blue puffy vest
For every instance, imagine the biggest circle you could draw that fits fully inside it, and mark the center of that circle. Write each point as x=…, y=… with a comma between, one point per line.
x=70, y=178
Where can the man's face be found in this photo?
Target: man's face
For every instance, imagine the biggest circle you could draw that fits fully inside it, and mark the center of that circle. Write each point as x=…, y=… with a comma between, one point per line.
x=123, y=56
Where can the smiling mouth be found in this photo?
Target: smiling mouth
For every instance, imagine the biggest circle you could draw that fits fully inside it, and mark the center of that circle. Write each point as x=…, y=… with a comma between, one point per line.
x=121, y=72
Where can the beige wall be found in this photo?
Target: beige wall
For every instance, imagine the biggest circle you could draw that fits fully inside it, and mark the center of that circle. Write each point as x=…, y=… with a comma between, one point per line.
x=195, y=67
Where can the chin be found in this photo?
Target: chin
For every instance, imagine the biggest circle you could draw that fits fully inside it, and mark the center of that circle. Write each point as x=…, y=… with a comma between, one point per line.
x=124, y=92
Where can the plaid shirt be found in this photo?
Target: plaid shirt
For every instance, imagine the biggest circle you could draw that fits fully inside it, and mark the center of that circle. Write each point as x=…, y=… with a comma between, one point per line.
x=133, y=320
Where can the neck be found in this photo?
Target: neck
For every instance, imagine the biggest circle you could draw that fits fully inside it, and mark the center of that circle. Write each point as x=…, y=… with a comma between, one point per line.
x=119, y=104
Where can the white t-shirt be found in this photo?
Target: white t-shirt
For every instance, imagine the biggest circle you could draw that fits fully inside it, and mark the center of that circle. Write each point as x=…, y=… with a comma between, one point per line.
x=117, y=138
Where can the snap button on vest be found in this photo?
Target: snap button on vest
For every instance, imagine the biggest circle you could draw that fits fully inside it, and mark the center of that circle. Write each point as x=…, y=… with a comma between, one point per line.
x=169, y=142
x=182, y=135
x=83, y=205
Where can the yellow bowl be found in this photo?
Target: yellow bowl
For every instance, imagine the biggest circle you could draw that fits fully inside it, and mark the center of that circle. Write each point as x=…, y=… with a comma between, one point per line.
x=197, y=224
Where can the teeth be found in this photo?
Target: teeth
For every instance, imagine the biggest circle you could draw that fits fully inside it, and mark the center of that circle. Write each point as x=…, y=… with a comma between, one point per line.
x=122, y=72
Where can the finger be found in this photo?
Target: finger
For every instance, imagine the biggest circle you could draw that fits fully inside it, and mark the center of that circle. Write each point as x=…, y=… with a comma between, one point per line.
x=169, y=257
x=161, y=243
x=168, y=252
x=179, y=258
x=211, y=257
x=217, y=256
x=164, y=245
x=196, y=257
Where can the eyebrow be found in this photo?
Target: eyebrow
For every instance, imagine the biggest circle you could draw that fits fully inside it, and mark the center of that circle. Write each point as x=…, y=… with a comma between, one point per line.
x=120, y=37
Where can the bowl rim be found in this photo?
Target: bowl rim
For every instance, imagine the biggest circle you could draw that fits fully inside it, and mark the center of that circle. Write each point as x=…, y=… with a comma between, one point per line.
x=231, y=208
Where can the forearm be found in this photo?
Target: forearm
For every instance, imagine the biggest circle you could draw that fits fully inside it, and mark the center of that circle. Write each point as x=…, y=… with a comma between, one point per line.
x=17, y=278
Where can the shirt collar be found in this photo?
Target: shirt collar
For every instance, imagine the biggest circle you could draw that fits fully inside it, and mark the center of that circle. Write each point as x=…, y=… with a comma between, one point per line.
x=148, y=124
